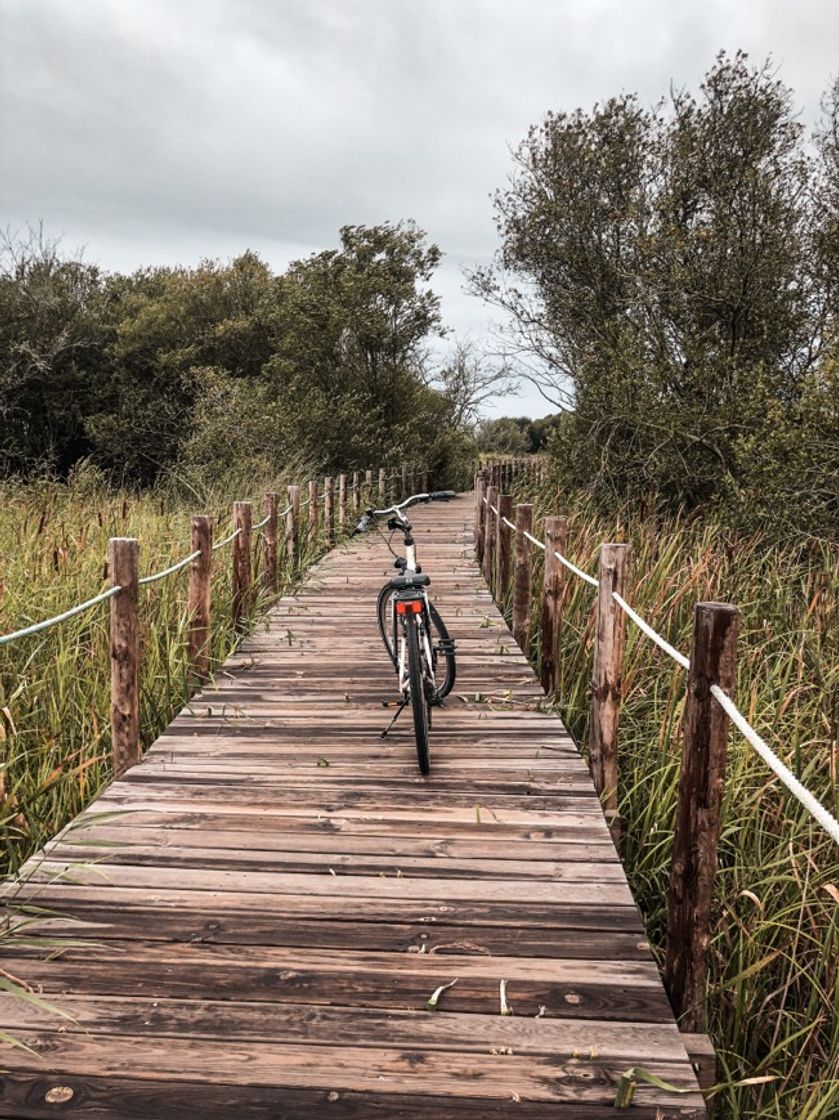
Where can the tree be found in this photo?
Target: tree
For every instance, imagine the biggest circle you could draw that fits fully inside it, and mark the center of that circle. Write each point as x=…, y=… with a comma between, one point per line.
x=657, y=270
x=504, y=434
x=351, y=328
x=52, y=343
x=468, y=380
x=226, y=364
x=168, y=327
x=570, y=226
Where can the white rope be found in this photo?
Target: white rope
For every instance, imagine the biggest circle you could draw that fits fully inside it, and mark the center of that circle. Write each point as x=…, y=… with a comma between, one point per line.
x=803, y=795
x=38, y=626
x=170, y=571
x=497, y=512
x=800, y=792
x=577, y=571
x=651, y=634
x=261, y=524
x=227, y=540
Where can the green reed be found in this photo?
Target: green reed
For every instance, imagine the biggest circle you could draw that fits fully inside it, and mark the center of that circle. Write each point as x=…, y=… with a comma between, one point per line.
x=773, y=997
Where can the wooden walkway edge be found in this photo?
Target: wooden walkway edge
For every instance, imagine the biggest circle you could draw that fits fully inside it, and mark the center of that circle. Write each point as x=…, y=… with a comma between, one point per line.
x=264, y=905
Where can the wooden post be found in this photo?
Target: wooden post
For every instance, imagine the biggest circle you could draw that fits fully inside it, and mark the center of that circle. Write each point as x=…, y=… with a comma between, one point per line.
x=329, y=512
x=480, y=494
x=342, y=503
x=489, y=536
x=606, y=681
x=292, y=527
x=412, y=479
x=382, y=486
x=124, y=570
x=198, y=598
x=356, y=492
x=368, y=488
x=242, y=520
x=269, y=576
x=523, y=576
x=404, y=481
x=502, y=547
x=713, y=660
x=314, y=516
x=556, y=536
x=425, y=482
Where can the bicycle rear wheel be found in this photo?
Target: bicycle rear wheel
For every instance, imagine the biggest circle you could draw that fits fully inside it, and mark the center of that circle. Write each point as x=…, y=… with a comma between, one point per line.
x=445, y=670
x=419, y=704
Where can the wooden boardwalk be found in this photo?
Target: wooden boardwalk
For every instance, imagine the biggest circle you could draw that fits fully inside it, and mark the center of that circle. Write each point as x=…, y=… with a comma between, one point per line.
x=279, y=893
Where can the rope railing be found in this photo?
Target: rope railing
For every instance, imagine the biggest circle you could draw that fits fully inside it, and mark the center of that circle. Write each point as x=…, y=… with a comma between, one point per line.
x=562, y=559
x=807, y=800
x=793, y=785
x=566, y=563
x=170, y=571
x=711, y=680
x=227, y=540
x=79, y=608
x=653, y=635
x=796, y=788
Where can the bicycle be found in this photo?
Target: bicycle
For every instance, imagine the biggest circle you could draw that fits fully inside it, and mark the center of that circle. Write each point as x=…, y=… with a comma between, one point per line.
x=414, y=634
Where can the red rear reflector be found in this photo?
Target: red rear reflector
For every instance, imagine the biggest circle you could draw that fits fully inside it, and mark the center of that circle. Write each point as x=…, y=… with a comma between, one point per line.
x=409, y=606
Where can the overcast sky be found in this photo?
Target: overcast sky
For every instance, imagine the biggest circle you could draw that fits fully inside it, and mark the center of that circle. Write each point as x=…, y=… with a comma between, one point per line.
x=164, y=131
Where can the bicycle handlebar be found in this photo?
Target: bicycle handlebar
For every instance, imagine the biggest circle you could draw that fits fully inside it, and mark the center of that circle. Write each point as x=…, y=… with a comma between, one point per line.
x=369, y=515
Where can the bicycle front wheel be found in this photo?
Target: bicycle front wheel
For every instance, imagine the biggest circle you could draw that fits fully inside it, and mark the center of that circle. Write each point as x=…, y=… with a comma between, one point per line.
x=419, y=704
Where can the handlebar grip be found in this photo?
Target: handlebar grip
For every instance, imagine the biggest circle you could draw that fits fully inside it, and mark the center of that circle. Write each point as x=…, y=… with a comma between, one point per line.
x=442, y=495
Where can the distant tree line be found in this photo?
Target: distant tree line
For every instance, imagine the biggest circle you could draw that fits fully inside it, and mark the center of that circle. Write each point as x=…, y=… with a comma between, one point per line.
x=209, y=367
x=516, y=435
x=671, y=280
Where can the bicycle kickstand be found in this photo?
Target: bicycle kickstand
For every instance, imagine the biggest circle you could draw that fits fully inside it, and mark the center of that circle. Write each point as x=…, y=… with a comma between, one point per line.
x=403, y=704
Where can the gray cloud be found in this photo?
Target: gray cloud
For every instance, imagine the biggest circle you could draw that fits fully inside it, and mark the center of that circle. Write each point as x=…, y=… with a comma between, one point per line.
x=161, y=131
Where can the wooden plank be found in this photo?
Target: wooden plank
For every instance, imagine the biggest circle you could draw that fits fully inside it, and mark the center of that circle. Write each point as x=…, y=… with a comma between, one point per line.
x=320, y=1024
x=361, y=1068
x=388, y=888
x=257, y=920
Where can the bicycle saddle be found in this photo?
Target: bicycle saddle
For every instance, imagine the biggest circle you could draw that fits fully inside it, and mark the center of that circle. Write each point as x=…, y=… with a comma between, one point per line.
x=415, y=579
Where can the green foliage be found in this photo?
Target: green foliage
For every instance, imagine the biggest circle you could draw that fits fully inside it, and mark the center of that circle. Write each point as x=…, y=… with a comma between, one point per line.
x=174, y=369
x=516, y=436
x=674, y=278
x=52, y=344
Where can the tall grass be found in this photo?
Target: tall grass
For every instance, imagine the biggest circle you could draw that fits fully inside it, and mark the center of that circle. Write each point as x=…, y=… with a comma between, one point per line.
x=55, y=685
x=773, y=997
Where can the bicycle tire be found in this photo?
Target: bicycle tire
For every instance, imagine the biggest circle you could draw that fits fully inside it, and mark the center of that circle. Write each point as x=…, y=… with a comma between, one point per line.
x=442, y=642
x=419, y=704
